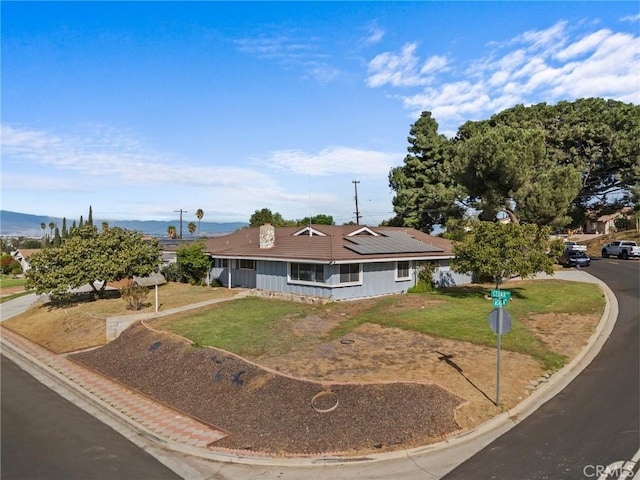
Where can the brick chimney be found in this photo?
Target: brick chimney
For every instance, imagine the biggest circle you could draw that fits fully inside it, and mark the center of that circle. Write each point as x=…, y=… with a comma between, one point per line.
x=267, y=236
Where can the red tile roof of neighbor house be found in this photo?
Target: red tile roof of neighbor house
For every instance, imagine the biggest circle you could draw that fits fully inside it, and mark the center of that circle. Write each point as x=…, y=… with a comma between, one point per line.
x=331, y=243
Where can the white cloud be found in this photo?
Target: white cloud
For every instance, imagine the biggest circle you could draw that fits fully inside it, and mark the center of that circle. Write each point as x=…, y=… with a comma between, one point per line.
x=403, y=69
x=333, y=160
x=557, y=63
x=105, y=155
x=376, y=34
x=292, y=52
x=583, y=46
x=631, y=18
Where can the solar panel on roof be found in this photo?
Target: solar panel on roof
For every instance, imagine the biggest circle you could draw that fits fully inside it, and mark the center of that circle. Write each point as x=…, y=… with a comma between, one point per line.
x=391, y=242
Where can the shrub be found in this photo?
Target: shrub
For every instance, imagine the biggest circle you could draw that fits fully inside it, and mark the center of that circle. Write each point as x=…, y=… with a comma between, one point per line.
x=425, y=282
x=134, y=295
x=10, y=265
x=173, y=273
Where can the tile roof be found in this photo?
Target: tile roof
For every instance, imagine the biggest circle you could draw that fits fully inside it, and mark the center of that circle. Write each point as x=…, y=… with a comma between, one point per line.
x=332, y=243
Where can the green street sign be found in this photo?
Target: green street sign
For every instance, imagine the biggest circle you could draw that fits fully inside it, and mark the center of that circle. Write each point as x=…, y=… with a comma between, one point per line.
x=500, y=302
x=503, y=294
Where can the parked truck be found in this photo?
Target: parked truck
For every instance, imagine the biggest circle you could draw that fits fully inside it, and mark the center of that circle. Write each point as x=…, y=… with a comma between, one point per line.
x=622, y=249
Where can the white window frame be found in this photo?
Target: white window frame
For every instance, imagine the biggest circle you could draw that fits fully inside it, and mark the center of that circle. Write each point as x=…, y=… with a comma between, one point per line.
x=398, y=277
x=292, y=280
x=356, y=282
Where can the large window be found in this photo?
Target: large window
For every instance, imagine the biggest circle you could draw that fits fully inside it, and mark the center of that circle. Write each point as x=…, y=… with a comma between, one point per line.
x=350, y=273
x=247, y=264
x=306, y=272
x=403, y=271
x=222, y=262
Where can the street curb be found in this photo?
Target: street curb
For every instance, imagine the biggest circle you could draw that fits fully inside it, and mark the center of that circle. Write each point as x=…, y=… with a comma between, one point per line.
x=464, y=444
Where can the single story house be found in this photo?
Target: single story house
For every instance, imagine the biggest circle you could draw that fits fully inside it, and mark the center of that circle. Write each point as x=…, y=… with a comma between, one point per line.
x=605, y=223
x=329, y=261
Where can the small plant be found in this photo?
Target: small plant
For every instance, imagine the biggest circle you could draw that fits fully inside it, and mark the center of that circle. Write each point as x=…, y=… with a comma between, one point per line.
x=425, y=282
x=134, y=295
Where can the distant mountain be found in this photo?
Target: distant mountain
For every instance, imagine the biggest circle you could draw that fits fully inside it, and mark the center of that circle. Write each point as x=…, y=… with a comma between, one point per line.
x=13, y=224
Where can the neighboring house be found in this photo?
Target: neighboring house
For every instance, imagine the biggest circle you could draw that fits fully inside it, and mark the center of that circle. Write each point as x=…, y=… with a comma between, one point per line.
x=605, y=223
x=22, y=256
x=329, y=261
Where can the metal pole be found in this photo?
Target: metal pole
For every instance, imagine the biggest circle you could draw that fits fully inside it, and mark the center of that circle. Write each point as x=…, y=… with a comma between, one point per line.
x=498, y=364
x=355, y=186
x=181, y=212
x=156, y=298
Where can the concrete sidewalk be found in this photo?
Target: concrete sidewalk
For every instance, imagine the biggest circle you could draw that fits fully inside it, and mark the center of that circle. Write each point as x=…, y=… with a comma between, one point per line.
x=178, y=432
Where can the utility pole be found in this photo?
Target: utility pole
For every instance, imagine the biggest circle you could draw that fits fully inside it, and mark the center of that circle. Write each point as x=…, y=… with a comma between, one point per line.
x=181, y=212
x=357, y=212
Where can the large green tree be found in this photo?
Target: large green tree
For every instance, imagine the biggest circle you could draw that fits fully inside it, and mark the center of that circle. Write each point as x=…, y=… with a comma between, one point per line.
x=91, y=257
x=506, y=169
x=497, y=251
x=537, y=164
x=427, y=191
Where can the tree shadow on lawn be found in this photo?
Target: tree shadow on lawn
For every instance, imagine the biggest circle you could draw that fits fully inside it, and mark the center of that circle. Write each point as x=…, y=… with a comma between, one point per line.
x=76, y=299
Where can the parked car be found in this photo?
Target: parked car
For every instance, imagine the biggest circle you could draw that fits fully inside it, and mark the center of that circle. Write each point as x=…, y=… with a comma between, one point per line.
x=570, y=245
x=622, y=249
x=574, y=258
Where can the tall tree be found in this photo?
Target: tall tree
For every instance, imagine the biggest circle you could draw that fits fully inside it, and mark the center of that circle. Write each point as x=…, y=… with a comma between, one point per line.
x=191, y=226
x=537, y=164
x=427, y=192
x=498, y=251
x=57, y=239
x=90, y=257
x=43, y=226
x=65, y=233
x=172, y=231
x=90, y=218
x=507, y=169
x=51, y=227
x=199, y=215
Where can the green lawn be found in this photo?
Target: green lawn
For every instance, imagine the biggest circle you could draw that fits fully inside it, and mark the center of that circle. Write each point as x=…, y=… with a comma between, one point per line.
x=7, y=281
x=252, y=326
x=247, y=326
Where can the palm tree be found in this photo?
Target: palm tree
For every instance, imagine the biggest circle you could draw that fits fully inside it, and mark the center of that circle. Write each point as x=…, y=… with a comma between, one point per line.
x=192, y=228
x=171, y=230
x=43, y=226
x=51, y=227
x=199, y=215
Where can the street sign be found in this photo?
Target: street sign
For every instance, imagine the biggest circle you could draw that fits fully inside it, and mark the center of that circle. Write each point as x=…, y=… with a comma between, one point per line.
x=500, y=302
x=505, y=294
x=500, y=318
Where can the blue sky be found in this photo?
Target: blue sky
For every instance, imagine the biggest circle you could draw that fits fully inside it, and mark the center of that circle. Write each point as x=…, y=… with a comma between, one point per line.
x=140, y=109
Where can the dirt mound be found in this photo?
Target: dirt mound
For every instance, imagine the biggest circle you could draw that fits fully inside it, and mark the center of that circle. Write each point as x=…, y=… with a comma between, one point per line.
x=268, y=412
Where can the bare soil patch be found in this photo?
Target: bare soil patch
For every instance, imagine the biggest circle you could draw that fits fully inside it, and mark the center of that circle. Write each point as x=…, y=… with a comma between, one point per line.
x=273, y=413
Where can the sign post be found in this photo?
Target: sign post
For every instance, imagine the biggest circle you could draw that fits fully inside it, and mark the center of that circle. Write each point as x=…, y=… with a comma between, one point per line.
x=500, y=322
